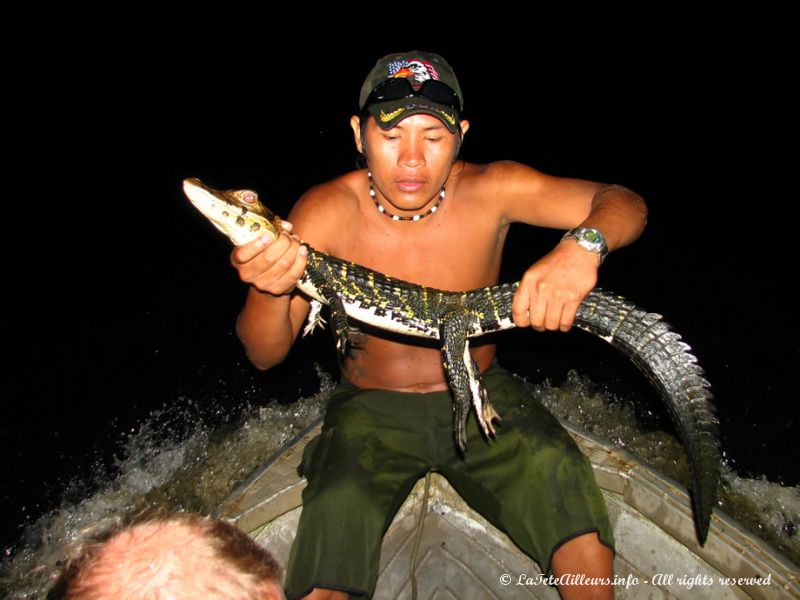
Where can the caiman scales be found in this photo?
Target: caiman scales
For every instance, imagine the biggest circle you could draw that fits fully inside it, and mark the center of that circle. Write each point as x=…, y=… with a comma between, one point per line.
x=350, y=290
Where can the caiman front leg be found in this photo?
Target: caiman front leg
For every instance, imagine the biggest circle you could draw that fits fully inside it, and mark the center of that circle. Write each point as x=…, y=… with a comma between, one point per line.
x=319, y=280
x=464, y=378
x=315, y=319
x=343, y=332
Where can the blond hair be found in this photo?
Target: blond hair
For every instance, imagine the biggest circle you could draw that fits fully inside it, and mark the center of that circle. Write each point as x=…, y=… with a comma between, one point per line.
x=177, y=556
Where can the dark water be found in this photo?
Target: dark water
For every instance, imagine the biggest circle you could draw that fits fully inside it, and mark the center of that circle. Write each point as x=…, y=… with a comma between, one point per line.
x=120, y=300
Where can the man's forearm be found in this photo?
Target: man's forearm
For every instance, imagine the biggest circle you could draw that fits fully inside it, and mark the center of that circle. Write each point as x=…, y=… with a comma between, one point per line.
x=265, y=328
x=619, y=214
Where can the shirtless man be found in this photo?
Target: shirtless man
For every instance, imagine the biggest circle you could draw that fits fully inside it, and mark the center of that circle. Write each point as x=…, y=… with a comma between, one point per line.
x=420, y=214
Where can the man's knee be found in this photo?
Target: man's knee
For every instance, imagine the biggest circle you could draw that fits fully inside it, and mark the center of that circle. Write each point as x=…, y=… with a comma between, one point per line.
x=585, y=555
x=584, y=550
x=324, y=594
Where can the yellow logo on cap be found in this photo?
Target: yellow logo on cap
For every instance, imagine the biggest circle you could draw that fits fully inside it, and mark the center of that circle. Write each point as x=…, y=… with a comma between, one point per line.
x=386, y=117
x=450, y=118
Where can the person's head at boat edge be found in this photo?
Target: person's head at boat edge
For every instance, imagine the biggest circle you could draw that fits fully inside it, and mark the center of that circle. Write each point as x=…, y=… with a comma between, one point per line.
x=410, y=130
x=181, y=556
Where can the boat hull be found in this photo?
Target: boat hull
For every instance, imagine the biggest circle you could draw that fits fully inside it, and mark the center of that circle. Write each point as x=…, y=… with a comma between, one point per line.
x=456, y=553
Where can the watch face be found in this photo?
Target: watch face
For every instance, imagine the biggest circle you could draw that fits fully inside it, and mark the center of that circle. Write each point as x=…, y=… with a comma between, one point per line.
x=592, y=236
x=589, y=239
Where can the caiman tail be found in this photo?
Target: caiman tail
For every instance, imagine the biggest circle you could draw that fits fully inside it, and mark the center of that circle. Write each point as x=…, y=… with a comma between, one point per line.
x=353, y=291
x=666, y=361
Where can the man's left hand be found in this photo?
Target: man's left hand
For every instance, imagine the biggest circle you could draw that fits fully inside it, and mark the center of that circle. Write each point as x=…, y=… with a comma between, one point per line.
x=553, y=287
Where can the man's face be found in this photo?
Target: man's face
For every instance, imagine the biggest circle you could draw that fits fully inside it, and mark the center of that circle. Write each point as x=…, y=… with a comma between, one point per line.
x=411, y=161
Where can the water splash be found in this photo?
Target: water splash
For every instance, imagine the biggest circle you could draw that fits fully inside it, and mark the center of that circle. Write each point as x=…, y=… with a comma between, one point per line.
x=190, y=456
x=181, y=458
x=768, y=509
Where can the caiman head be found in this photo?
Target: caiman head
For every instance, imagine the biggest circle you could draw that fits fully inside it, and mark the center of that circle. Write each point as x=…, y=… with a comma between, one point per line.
x=236, y=213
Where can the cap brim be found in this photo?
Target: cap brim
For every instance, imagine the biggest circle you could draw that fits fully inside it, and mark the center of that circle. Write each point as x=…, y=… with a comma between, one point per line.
x=388, y=114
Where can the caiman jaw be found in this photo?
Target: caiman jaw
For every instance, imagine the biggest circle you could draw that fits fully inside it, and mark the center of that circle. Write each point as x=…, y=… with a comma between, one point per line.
x=236, y=213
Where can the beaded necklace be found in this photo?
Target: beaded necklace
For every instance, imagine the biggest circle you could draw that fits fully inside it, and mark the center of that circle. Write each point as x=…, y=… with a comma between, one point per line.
x=383, y=211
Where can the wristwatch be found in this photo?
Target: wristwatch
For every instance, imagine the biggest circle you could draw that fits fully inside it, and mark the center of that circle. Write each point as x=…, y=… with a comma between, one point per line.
x=589, y=239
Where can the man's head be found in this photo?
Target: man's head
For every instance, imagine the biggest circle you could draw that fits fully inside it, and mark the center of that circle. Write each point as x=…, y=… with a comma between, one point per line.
x=409, y=83
x=179, y=556
x=409, y=129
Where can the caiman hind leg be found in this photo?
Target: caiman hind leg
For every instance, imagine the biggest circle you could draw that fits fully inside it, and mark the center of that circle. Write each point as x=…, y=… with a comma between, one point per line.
x=464, y=378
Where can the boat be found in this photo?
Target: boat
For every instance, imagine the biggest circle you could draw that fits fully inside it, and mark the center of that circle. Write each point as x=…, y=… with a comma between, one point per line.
x=437, y=547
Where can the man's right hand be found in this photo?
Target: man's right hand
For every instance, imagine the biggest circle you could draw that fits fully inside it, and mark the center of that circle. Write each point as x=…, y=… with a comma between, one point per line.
x=272, y=265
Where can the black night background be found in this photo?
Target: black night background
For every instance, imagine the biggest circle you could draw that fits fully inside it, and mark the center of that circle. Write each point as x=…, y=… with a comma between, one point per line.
x=118, y=297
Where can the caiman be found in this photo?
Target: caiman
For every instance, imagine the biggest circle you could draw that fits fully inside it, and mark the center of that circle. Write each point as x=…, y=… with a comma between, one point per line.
x=351, y=290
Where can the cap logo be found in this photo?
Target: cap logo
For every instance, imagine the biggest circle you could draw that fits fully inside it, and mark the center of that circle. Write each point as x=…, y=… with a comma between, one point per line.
x=419, y=70
x=386, y=117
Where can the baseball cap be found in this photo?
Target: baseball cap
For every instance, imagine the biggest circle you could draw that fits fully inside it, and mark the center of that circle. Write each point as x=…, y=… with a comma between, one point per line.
x=409, y=83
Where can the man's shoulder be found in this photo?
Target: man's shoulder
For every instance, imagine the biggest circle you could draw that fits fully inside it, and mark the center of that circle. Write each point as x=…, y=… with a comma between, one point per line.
x=326, y=207
x=498, y=171
x=493, y=184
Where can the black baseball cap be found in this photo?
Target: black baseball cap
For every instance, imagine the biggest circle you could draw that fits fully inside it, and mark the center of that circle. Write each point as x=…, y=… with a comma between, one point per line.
x=409, y=83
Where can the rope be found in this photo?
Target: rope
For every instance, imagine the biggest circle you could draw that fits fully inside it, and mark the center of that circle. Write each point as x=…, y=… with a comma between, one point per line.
x=420, y=523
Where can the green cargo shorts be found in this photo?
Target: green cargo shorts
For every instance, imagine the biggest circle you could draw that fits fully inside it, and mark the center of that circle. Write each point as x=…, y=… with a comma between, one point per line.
x=531, y=482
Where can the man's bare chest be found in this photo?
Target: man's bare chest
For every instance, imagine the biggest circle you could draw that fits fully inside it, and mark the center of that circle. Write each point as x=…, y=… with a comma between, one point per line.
x=449, y=258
